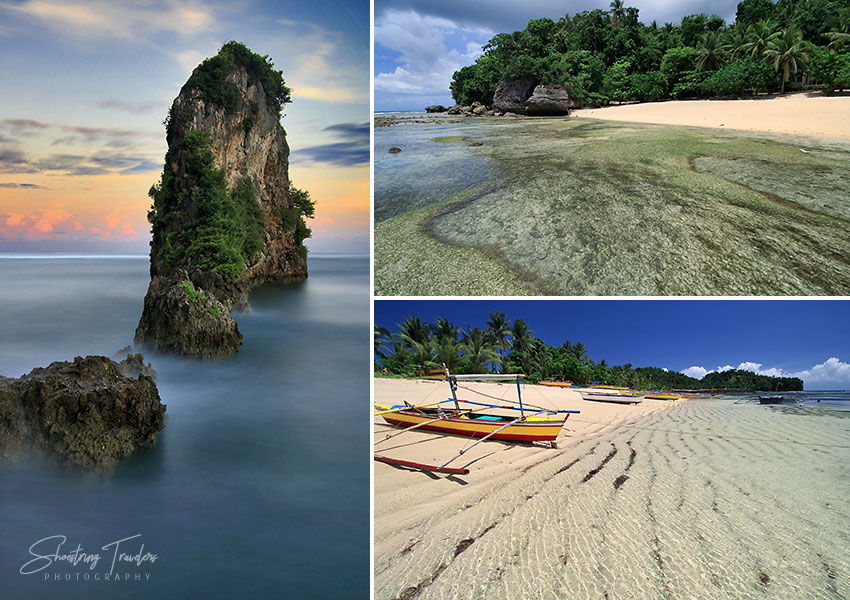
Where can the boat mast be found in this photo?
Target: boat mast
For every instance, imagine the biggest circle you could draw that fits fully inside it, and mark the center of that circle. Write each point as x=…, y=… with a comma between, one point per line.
x=452, y=385
x=519, y=395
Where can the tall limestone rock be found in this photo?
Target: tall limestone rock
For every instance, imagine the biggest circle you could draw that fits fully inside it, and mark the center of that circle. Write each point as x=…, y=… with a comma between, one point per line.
x=225, y=216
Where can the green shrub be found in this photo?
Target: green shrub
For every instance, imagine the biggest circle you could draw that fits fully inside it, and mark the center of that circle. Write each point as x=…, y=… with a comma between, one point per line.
x=210, y=77
x=228, y=227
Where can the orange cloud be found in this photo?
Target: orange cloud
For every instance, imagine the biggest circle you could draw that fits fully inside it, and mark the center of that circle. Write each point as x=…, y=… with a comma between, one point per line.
x=49, y=218
x=112, y=219
x=15, y=220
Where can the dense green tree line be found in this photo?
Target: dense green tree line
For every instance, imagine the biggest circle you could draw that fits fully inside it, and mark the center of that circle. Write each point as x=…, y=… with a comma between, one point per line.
x=610, y=56
x=511, y=347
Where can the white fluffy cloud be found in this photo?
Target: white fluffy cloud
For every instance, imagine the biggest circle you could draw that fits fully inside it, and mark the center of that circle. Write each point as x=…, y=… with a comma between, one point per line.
x=832, y=373
x=427, y=63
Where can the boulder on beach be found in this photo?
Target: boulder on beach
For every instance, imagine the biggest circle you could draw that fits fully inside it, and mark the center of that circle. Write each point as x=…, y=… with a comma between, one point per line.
x=548, y=100
x=436, y=108
x=84, y=413
x=511, y=94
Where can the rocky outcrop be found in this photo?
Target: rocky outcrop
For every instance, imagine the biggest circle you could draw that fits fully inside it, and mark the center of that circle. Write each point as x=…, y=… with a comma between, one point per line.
x=512, y=94
x=84, y=413
x=436, y=108
x=224, y=141
x=548, y=100
x=527, y=97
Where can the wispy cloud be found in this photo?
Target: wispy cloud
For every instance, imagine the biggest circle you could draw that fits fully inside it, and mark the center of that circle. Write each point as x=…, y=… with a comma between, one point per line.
x=26, y=186
x=353, y=150
x=133, y=108
x=127, y=21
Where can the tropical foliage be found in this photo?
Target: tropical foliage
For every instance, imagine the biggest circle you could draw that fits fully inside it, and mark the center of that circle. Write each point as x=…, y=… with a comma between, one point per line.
x=211, y=78
x=506, y=347
x=198, y=221
x=604, y=56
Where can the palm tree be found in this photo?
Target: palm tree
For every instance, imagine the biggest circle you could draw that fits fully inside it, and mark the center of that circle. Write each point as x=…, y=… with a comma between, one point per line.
x=445, y=327
x=789, y=52
x=710, y=51
x=618, y=12
x=736, y=41
x=579, y=350
x=444, y=351
x=758, y=36
x=522, y=336
x=497, y=326
x=475, y=348
x=413, y=330
x=382, y=339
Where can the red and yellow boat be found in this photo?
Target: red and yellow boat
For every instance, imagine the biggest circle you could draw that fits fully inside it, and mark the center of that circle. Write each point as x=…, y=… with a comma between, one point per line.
x=469, y=424
x=659, y=396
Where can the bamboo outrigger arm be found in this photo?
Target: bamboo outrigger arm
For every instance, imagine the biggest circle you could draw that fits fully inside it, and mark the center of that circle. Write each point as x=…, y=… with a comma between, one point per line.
x=489, y=435
x=421, y=466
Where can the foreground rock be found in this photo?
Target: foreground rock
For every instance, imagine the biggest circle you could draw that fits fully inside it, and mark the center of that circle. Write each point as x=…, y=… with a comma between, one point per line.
x=85, y=413
x=546, y=100
x=225, y=216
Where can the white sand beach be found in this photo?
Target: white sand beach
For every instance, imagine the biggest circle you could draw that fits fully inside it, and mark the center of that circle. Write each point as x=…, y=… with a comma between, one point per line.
x=801, y=115
x=682, y=499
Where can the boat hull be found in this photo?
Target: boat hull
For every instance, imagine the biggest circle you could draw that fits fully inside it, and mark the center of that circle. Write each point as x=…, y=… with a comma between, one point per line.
x=561, y=384
x=535, y=429
x=618, y=398
x=663, y=396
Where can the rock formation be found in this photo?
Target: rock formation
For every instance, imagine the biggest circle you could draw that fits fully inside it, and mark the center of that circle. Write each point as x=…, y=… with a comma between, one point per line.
x=225, y=216
x=511, y=94
x=521, y=97
x=436, y=108
x=548, y=100
x=85, y=413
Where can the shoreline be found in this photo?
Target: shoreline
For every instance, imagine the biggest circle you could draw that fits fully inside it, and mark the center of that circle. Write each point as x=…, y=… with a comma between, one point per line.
x=802, y=115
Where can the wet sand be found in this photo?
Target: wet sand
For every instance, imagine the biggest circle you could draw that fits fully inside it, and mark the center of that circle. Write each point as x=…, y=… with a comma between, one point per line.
x=806, y=115
x=681, y=499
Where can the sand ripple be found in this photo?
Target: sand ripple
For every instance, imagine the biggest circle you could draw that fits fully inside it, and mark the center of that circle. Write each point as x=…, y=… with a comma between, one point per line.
x=706, y=500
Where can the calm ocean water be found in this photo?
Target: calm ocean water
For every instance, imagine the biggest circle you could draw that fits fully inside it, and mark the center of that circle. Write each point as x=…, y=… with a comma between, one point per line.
x=258, y=485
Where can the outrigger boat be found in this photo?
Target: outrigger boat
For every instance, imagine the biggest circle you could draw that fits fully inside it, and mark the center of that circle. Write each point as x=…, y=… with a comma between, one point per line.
x=611, y=396
x=534, y=424
x=564, y=384
x=654, y=396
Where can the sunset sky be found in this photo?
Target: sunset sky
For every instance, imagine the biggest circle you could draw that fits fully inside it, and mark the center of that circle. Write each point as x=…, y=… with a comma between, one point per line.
x=85, y=85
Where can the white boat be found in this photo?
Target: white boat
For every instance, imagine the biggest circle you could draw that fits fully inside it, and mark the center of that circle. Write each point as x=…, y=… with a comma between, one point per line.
x=606, y=396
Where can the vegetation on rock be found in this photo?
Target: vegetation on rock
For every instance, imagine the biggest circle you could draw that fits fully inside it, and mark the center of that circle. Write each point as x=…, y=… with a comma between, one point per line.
x=210, y=77
x=604, y=56
x=219, y=228
x=512, y=348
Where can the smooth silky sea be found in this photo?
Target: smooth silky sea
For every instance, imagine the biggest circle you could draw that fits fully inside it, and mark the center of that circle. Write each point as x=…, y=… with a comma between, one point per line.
x=259, y=484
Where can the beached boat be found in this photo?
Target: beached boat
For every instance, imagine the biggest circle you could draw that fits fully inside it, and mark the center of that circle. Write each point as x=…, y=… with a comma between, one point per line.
x=470, y=424
x=533, y=424
x=564, y=384
x=770, y=399
x=654, y=396
x=606, y=396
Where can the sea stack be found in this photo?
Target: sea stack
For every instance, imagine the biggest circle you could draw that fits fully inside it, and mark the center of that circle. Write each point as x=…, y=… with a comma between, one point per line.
x=225, y=216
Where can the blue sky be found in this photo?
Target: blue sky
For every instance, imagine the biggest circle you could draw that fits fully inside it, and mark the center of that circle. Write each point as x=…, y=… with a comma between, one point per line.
x=802, y=338
x=86, y=84
x=419, y=44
